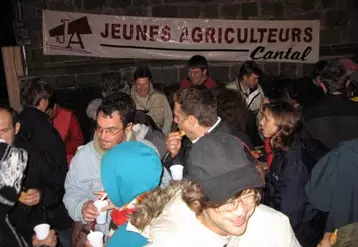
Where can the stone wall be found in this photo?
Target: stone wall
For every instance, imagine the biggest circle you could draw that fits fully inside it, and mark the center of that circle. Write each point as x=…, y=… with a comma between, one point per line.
x=338, y=26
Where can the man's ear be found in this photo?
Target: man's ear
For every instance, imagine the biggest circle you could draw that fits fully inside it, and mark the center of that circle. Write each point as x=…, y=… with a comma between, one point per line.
x=193, y=121
x=128, y=127
x=17, y=127
x=205, y=72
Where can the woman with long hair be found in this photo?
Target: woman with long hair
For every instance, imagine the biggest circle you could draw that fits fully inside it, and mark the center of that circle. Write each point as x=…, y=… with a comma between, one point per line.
x=288, y=175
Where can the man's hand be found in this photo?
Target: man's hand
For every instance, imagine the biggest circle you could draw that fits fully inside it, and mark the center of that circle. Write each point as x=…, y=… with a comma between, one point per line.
x=174, y=143
x=325, y=242
x=31, y=197
x=51, y=240
x=89, y=211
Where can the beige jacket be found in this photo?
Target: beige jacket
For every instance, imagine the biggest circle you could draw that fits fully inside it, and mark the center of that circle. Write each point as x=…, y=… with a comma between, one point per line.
x=253, y=100
x=157, y=105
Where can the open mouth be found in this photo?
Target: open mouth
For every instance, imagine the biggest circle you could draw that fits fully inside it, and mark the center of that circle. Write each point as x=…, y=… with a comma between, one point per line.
x=239, y=221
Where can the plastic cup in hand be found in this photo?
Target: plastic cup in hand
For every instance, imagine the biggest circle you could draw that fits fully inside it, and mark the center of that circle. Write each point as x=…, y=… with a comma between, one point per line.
x=177, y=172
x=102, y=217
x=42, y=231
x=95, y=239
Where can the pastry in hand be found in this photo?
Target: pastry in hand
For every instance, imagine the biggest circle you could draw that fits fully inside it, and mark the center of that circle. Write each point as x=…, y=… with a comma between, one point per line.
x=333, y=238
x=22, y=196
x=181, y=133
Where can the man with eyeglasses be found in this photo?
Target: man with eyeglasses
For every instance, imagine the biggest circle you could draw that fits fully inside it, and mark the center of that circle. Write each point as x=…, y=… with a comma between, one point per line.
x=115, y=117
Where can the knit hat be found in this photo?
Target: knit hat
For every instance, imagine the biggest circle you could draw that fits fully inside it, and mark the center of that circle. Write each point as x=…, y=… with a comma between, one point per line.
x=349, y=64
x=222, y=166
x=130, y=169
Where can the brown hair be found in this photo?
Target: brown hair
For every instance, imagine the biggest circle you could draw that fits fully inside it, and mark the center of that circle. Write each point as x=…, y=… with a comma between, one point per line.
x=34, y=91
x=153, y=204
x=287, y=119
x=199, y=102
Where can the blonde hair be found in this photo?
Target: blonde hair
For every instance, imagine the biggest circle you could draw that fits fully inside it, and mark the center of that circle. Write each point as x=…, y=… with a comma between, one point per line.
x=153, y=204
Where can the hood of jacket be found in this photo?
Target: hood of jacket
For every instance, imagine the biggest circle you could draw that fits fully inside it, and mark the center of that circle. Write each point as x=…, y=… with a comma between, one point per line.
x=13, y=162
x=125, y=175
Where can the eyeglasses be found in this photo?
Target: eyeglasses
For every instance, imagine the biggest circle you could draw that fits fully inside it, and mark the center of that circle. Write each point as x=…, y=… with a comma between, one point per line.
x=111, y=131
x=246, y=201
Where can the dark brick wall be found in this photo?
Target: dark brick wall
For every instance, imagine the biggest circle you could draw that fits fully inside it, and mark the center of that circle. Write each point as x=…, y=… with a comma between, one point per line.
x=338, y=26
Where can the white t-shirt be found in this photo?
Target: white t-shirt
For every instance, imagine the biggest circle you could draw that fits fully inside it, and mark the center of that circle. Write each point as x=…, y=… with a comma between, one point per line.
x=178, y=226
x=266, y=228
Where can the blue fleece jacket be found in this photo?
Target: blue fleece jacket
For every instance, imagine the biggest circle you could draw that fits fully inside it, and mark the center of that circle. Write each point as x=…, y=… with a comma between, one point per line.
x=128, y=170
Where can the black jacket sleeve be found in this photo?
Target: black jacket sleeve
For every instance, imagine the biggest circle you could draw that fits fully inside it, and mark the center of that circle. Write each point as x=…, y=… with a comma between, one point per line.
x=180, y=158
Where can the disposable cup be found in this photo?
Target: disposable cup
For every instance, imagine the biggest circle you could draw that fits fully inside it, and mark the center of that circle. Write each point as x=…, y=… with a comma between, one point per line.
x=102, y=217
x=42, y=231
x=177, y=172
x=95, y=239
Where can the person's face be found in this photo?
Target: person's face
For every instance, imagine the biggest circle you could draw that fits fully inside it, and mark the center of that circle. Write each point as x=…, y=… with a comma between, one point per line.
x=251, y=81
x=43, y=105
x=142, y=86
x=197, y=76
x=7, y=129
x=110, y=130
x=231, y=218
x=268, y=124
x=182, y=120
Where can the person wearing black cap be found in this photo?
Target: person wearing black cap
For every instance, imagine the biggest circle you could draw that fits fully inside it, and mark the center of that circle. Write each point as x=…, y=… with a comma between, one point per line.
x=217, y=205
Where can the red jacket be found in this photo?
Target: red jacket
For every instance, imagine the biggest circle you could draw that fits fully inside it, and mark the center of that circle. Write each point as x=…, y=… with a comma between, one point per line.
x=268, y=151
x=208, y=84
x=69, y=128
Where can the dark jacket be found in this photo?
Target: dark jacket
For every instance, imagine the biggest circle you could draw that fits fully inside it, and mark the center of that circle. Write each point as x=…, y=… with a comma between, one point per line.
x=46, y=171
x=307, y=93
x=285, y=192
x=186, y=146
x=331, y=121
x=333, y=186
x=12, y=166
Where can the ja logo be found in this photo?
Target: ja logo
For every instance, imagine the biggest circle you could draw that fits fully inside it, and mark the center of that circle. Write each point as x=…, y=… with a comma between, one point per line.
x=69, y=32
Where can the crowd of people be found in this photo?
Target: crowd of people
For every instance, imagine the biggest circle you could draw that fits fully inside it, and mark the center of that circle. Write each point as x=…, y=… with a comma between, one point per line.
x=263, y=165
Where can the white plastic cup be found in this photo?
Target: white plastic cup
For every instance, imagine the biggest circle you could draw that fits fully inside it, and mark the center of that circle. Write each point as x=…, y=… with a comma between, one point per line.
x=42, y=231
x=177, y=172
x=95, y=239
x=102, y=217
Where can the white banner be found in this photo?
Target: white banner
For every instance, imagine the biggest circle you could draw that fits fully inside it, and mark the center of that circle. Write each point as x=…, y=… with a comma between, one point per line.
x=66, y=33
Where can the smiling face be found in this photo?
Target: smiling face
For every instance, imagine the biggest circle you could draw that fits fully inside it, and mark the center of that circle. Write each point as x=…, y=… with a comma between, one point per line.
x=232, y=217
x=197, y=76
x=142, y=86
